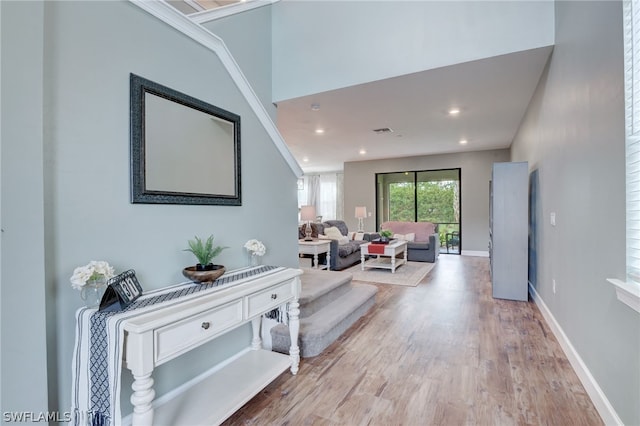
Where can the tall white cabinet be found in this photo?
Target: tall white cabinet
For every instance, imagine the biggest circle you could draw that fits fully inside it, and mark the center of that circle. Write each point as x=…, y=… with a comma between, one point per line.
x=508, y=230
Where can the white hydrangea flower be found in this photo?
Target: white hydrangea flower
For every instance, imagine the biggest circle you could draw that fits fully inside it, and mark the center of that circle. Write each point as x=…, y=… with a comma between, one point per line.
x=93, y=270
x=255, y=247
x=80, y=277
x=100, y=267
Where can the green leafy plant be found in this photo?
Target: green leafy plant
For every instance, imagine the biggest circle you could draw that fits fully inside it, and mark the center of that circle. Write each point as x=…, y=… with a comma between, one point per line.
x=204, y=251
x=385, y=233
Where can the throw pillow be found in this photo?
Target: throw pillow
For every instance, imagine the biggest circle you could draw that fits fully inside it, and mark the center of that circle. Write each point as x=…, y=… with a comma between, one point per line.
x=334, y=233
x=406, y=237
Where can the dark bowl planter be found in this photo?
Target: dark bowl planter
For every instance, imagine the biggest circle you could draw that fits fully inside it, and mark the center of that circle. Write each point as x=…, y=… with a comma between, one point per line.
x=206, y=276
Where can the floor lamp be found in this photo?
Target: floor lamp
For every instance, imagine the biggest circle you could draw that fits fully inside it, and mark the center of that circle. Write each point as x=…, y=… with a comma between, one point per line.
x=308, y=213
x=361, y=213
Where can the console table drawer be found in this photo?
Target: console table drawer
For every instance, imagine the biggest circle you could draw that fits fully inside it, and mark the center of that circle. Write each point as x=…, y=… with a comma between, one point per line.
x=270, y=298
x=181, y=336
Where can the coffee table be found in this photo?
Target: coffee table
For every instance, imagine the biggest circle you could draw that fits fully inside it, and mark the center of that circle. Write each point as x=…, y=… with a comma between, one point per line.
x=383, y=251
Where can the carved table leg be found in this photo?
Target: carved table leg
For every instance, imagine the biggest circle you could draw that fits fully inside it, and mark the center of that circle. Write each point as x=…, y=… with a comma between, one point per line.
x=256, y=342
x=141, y=399
x=393, y=263
x=294, y=328
x=329, y=260
x=315, y=259
x=361, y=260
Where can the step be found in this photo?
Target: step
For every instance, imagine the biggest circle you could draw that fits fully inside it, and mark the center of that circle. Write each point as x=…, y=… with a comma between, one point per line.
x=322, y=328
x=319, y=288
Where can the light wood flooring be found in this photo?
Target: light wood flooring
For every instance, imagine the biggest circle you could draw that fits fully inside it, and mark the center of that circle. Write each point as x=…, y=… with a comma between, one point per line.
x=442, y=353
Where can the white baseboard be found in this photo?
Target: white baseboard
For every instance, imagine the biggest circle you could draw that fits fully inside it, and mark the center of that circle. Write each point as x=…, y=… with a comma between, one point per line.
x=599, y=399
x=475, y=253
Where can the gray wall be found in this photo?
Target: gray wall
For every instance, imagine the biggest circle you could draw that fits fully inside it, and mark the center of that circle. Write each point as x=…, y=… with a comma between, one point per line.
x=253, y=55
x=22, y=292
x=573, y=139
x=80, y=124
x=359, y=188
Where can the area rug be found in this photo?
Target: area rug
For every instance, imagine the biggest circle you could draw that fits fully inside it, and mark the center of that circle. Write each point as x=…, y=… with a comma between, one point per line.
x=409, y=274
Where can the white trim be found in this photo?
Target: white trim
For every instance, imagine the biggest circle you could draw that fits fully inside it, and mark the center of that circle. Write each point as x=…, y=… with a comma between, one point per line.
x=477, y=253
x=230, y=9
x=599, y=399
x=627, y=293
x=169, y=15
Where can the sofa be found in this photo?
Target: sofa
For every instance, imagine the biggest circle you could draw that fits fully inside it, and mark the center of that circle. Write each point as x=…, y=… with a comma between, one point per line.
x=423, y=241
x=345, y=251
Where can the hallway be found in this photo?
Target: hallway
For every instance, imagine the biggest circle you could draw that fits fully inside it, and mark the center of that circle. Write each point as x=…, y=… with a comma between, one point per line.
x=442, y=353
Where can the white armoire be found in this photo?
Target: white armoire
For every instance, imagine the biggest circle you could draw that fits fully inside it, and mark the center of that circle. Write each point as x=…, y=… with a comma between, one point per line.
x=508, y=230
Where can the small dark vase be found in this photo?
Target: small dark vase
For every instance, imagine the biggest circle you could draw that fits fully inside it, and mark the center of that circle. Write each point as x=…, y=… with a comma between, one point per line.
x=207, y=267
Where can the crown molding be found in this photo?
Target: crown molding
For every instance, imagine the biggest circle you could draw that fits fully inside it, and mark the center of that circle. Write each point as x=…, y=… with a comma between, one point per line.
x=172, y=17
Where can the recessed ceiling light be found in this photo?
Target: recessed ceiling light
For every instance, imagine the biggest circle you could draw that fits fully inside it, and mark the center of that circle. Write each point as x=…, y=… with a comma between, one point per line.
x=315, y=107
x=319, y=131
x=463, y=141
x=363, y=151
x=305, y=159
x=454, y=111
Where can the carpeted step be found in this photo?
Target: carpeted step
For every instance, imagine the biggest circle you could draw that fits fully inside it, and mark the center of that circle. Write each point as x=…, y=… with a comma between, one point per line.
x=319, y=288
x=322, y=328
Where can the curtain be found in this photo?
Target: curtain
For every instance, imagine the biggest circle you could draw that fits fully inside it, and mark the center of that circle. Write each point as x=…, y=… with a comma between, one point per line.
x=340, y=196
x=325, y=192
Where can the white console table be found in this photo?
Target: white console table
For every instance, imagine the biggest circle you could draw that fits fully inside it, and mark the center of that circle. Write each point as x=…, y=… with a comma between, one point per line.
x=154, y=338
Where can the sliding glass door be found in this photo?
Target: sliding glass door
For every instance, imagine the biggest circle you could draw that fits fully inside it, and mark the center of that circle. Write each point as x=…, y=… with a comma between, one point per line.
x=422, y=196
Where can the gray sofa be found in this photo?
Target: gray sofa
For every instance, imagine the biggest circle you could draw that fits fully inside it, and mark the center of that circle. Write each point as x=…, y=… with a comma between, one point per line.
x=342, y=255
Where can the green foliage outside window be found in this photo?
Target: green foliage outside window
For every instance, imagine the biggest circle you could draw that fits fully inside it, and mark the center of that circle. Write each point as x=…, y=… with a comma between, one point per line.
x=437, y=201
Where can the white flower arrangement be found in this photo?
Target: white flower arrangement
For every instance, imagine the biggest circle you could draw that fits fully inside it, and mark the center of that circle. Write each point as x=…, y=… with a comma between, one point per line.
x=255, y=247
x=94, y=270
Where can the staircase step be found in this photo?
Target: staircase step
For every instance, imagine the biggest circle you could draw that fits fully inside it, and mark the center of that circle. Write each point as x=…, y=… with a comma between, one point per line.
x=323, y=327
x=319, y=288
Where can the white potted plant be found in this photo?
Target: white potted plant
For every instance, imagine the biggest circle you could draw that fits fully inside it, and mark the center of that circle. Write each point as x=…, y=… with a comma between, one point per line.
x=256, y=250
x=91, y=280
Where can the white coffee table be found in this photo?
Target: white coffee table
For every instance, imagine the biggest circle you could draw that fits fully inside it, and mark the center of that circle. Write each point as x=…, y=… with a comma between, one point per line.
x=383, y=253
x=315, y=248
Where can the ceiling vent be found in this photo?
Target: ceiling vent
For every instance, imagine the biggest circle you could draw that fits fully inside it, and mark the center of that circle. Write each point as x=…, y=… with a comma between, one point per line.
x=383, y=130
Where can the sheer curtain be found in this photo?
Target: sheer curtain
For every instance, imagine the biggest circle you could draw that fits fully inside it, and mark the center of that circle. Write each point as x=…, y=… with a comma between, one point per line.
x=325, y=192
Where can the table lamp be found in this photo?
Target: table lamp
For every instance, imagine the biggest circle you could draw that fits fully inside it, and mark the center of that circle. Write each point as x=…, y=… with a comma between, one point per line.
x=361, y=213
x=308, y=213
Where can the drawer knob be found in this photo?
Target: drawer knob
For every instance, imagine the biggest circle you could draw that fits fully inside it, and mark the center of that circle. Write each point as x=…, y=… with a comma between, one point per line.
x=274, y=296
x=206, y=325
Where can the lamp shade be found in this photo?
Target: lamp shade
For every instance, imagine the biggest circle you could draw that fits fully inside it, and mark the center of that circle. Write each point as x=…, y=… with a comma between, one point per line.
x=308, y=213
x=361, y=212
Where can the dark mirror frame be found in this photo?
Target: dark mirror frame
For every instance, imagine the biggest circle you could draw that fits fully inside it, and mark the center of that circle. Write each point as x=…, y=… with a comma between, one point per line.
x=139, y=86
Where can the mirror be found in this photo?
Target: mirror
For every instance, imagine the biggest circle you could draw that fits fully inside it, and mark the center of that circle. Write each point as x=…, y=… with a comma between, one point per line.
x=183, y=150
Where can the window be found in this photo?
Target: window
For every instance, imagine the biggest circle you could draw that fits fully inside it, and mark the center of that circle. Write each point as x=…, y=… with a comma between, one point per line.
x=424, y=196
x=629, y=292
x=325, y=192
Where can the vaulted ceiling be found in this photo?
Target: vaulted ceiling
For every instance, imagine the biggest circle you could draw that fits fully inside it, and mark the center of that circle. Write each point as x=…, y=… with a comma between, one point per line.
x=325, y=130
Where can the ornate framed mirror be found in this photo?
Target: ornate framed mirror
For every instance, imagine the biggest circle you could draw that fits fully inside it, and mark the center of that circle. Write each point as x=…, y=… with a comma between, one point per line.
x=183, y=150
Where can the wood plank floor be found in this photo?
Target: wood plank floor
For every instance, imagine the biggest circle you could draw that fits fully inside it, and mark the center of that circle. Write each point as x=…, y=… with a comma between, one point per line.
x=442, y=353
